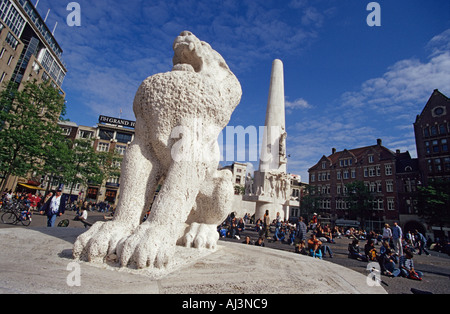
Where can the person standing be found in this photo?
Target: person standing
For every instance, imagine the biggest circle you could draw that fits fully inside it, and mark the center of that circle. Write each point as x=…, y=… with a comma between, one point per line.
x=54, y=207
x=387, y=233
x=397, y=236
x=302, y=230
x=267, y=224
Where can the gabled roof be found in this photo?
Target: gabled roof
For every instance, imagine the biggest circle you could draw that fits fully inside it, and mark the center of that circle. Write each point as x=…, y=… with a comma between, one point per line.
x=357, y=154
x=436, y=98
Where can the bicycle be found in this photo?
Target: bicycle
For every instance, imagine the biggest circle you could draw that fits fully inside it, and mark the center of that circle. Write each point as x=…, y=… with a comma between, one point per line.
x=20, y=213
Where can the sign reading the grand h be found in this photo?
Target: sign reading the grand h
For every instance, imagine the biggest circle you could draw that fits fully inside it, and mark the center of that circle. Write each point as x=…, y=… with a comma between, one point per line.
x=117, y=121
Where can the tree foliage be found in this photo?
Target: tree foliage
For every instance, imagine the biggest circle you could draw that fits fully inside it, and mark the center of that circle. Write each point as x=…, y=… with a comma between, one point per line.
x=29, y=128
x=434, y=203
x=359, y=199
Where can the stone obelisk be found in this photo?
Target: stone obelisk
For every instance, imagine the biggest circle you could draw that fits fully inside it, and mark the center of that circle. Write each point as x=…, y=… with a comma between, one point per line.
x=273, y=148
x=271, y=184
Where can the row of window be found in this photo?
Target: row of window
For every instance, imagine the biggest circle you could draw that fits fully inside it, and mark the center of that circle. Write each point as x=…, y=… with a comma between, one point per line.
x=374, y=187
x=51, y=66
x=377, y=204
x=41, y=26
x=104, y=147
x=436, y=146
x=118, y=136
x=12, y=17
x=435, y=130
x=351, y=173
x=348, y=162
x=439, y=165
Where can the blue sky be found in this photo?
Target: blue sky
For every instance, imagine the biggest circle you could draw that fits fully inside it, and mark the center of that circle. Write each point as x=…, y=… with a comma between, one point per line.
x=346, y=83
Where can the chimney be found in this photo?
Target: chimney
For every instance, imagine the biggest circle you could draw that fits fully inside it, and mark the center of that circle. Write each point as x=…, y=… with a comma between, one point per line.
x=333, y=151
x=379, y=142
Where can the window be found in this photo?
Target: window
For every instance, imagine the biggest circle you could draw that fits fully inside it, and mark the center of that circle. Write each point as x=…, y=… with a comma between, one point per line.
x=10, y=59
x=427, y=148
x=345, y=162
x=370, y=159
x=389, y=186
x=12, y=41
x=433, y=130
x=371, y=172
x=447, y=163
x=378, y=170
x=442, y=129
x=378, y=204
x=2, y=52
x=346, y=174
x=390, y=203
x=437, y=165
x=103, y=147
x=426, y=132
x=2, y=78
x=85, y=134
x=353, y=173
x=388, y=169
x=324, y=165
x=106, y=135
x=123, y=137
x=313, y=177
x=444, y=146
x=435, y=147
x=120, y=149
x=379, y=187
x=113, y=180
x=338, y=175
x=66, y=131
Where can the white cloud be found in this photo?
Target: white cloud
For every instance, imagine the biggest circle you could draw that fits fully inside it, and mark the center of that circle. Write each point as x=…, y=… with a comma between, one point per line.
x=299, y=103
x=384, y=107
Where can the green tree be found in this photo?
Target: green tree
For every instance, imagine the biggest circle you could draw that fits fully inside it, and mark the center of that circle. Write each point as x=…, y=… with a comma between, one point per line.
x=433, y=203
x=28, y=120
x=109, y=164
x=84, y=165
x=359, y=199
x=309, y=202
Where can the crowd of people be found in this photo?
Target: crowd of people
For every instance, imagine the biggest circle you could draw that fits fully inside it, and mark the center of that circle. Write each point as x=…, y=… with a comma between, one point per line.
x=54, y=204
x=391, y=248
x=395, y=253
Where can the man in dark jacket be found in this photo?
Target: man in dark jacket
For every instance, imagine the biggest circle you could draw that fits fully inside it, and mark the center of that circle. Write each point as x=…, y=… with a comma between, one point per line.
x=301, y=229
x=54, y=207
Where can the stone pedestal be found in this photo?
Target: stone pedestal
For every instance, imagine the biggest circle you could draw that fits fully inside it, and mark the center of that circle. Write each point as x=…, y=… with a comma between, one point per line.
x=40, y=261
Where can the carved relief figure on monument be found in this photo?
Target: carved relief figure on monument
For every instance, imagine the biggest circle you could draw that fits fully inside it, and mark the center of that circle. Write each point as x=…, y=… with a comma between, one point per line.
x=195, y=196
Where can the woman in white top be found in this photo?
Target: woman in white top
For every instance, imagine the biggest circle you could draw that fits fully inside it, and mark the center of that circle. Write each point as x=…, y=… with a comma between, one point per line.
x=387, y=233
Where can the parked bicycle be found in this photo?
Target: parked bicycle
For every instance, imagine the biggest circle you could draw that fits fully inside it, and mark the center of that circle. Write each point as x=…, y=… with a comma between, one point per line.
x=16, y=213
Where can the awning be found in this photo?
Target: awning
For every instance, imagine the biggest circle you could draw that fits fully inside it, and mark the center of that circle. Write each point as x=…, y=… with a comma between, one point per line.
x=32, y=187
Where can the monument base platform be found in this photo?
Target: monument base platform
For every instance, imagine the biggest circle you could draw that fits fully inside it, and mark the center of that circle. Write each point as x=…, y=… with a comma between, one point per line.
x=40, y=260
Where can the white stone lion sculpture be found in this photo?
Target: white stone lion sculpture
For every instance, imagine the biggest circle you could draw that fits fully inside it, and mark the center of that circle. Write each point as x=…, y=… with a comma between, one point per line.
x=179, y=116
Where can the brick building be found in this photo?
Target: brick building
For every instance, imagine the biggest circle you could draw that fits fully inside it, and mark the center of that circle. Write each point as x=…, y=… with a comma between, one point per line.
x=432, y=131
x=110, y=136
x=374, y=165
x=29, y=50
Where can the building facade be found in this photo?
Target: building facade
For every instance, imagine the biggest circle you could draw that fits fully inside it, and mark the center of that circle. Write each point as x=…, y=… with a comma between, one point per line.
x=29, y=50
x=432, y=132
x=374, y=165
x=107, y=138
